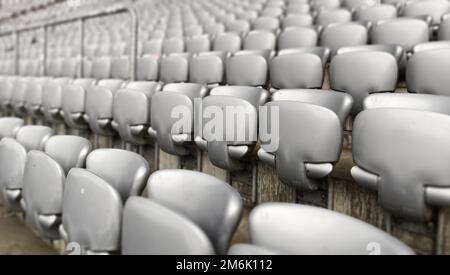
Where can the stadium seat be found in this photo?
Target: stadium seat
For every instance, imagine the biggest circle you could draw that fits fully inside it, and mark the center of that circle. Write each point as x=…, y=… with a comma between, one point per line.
x=363, y=73
x=297, y=37
x=188, y=192
x=336, y=36
x=305, y=164
x=405, y=187
x=275, y=229
x=426, y=72
x=13, y=153
x=44, y=178
x=152, y=229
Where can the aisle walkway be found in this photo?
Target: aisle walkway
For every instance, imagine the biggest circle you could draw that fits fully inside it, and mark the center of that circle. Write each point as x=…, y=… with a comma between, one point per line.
x=17, y=239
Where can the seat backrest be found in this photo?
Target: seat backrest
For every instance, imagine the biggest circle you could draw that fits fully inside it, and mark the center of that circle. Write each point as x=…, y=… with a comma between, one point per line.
x=276, y=226
x=426, y=72
x=97, y=230
x=198, y=44
x=190, y=193
x=207, y=69
x=152, y=229
x=314, y=136
x=405, y=32
x=120, y=67
x=126, y=171
x=336, y=36
x=101, y=68
x=44, y=178
x=436, y=9
x=148, y=68
x=133, y=122
x=173, y=45
x=402, y=178
x=247, y=70
x=431, y=46
x=363, y=73
x=238, y=26
x=444, y=29
x=340, y=103
x=174, y=68
x=12, y=158
x=298, y=20
x=266, y=23
x=376, y=13
x=289, y=71
x=396, y=51
x=34, y=137
x=153, y=47
x=228, y=42
x=52, y=97
x=327, y=17
x=99, y=105
x=424, y=102
x=322, y=52
x=175, y=98
x=74, y=103
x=10, y=126
x=260, y=40
x=297, y=37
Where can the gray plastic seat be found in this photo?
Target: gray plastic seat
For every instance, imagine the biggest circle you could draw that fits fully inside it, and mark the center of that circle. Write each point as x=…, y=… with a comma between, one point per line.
x=96, y=231
x=297, y=37
x=247, y=70
x=18, y=98
x=34, y=97
x=99, y=106
x=336, y=36
x=198, y=44
x=424, y=102
x=298, y=20
x=132, y=111
x=322, y=52
x=326, y=4
x=405, y=32
x=148, y=68
x=408, y=182
x=12, y=158
x=10, y=126
x=327, y=17
x=14, y=152
x=296, y=71
x=436, y=9
x=339, y=103
x=191, y=193
x=444, y=28
x=52, y=97
x=303, y=165
x=427, y=72
x=376, y=13
x=126, y=171
x=44, y=178
x=74, y=103
x=363, y=73
x=152, y=229
x=6, y=94
x=173, y=45
x=260, y=40
x=228, y=42
x=238, y=26
x=266, y=23
x=230, y=153
x=174, y=68
x=277, y=228
x=207, y=68
x=396, y=51
x=153, y=47
x=431, y=46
